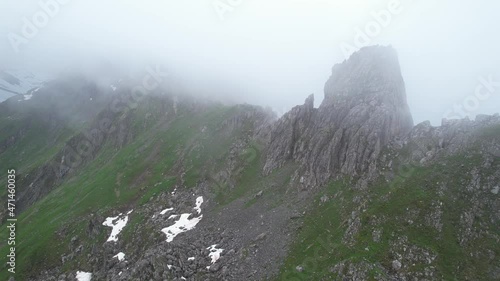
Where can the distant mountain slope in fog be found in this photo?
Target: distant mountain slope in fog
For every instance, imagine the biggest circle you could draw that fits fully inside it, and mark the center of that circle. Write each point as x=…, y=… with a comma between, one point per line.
x=19, y=82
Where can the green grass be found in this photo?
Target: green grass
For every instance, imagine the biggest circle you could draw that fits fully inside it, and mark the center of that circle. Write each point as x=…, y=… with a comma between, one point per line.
x=36, y=146
x=247, y=181
x=318, y=243
x=157, y=189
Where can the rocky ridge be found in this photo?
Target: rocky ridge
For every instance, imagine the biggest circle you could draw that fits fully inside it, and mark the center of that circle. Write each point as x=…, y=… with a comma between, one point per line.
x=265, y=177
x=364, y=108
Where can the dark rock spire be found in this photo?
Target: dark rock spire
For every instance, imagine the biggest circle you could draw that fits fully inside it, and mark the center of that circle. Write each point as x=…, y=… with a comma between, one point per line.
x=364, y=108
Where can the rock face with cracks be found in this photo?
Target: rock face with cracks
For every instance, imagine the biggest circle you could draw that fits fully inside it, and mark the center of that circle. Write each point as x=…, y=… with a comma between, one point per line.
x=363, y=109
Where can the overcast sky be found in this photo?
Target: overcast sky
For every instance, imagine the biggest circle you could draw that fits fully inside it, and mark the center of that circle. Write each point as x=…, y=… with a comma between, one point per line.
x=270, y=52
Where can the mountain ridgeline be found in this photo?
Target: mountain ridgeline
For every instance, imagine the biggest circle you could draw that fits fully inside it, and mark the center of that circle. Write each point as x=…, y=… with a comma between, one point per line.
x=198, y=190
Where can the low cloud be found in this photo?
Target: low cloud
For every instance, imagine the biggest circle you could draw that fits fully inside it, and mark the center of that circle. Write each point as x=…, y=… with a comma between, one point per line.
x=271, y=53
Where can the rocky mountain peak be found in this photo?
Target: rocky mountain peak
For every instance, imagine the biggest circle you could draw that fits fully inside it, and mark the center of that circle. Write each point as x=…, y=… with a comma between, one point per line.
x=370, y=77
x=364, y=108
x=365, y=72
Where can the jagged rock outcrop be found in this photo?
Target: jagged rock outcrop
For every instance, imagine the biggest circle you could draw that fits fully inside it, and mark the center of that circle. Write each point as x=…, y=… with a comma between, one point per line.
x=426, y=143
x=286, y=134
x=364, y=108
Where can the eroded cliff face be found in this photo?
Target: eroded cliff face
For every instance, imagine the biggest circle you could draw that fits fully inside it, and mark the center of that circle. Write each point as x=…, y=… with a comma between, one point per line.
x=363, y=109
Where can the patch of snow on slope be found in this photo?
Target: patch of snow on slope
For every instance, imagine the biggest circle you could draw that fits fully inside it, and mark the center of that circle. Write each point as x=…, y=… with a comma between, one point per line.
x=117, y=223
x=199, y=201
x=83, y=276
x=166, y=210
x=120, y=256
x=214, y=253
x=29, y=95
x=184, y=223
x=191, y=259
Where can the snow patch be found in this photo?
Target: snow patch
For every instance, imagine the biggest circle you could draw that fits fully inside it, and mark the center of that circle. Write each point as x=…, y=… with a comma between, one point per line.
x=191, y=259
x=169, y=266
x=199, y=201
x=166, y=210
x=184, y=223
x=83, y=276
x=29, y=94
x=113, y=87
x=214, y=253
x=120, y=256
x=495, y=190
x=117, y=223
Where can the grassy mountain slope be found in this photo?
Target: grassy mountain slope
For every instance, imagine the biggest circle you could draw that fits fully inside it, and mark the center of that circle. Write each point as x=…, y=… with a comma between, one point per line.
x=162, y=149
x=433, y=222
